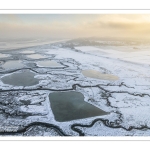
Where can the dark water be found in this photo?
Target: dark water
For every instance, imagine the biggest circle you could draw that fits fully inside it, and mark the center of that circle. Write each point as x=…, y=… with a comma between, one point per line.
x=98, y=75
x=25, y=78
x=49, y=63
x=68, y=106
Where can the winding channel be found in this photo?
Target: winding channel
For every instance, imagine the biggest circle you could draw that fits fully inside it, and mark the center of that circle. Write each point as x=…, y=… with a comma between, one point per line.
x=106, y=122
x=21, y=131
x=75, y=126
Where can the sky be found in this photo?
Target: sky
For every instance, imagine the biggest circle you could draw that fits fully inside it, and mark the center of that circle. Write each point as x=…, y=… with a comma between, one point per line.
x=74, y=25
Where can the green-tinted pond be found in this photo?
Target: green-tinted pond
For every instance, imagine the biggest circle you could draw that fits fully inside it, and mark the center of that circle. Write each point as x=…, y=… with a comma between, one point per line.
x=67, y=106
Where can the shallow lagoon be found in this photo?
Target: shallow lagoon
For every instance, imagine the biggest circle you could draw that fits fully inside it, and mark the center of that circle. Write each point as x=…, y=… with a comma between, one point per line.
x=98, y=75
x=25, y=78
x=12, y=64
x=68, y=106
x=49, y=63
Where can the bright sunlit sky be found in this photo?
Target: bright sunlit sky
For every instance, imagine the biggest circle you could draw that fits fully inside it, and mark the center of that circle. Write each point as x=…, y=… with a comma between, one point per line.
x=74, y=26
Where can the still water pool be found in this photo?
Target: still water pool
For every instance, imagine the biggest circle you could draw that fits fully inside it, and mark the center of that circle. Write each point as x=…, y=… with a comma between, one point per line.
x=25, y=78
x=67, y=106
x=49, y=63
x=36, y=56
x=13, y=64
x=98, y=75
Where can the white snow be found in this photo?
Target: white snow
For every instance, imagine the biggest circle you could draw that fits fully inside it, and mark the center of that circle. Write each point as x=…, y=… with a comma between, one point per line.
x=129, y=95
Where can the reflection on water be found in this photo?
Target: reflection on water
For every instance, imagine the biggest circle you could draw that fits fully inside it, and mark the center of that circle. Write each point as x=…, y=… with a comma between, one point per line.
x=25, y=78
x=36, y=56
x=49, y=63
x=27, y=52
x=99, y=75
x=68, y=106
x=3, y=55
x=12, y=64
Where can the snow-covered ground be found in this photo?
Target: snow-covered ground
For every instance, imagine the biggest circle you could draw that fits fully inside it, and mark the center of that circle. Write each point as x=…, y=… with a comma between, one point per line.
x=126, y=100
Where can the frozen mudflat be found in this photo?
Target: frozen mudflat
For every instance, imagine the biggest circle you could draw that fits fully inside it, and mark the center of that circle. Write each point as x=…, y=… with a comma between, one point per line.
x=117, y=88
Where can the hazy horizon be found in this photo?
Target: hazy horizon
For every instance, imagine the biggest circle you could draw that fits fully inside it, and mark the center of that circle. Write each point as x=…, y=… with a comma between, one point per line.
x=74, y=25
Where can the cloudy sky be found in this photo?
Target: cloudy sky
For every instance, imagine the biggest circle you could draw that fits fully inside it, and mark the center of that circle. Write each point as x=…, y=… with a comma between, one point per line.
x=74, y=26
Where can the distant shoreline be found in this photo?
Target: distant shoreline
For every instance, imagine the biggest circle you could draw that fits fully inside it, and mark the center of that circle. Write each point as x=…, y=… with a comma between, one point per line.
x=16, y=47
